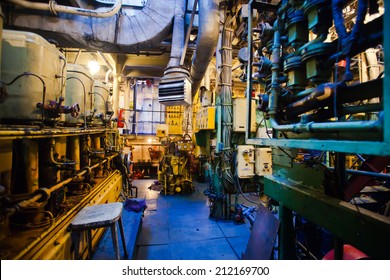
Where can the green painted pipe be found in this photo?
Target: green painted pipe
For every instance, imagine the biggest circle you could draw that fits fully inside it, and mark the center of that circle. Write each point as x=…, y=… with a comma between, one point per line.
x=358, y=126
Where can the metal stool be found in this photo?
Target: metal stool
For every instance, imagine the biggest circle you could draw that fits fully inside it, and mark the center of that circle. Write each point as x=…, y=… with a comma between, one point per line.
x=99, y=216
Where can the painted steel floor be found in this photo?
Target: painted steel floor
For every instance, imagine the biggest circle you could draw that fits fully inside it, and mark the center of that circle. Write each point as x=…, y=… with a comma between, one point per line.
x=177, y=227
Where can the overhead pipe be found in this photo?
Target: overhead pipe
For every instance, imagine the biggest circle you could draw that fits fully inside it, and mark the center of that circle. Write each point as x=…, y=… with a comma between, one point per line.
x=54, y=8
x=121, y=33
x=206, y=43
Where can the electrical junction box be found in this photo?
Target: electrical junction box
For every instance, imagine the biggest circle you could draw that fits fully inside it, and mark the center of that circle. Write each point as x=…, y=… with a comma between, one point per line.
x=245, y=161
x=205, y=118
x=263, y=161
x=240, y=115
x=162, y=130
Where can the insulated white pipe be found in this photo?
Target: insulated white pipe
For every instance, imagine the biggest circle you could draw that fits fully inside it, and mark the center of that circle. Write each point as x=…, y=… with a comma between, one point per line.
x=206, y=42
x=178, y=34
x=54, y=8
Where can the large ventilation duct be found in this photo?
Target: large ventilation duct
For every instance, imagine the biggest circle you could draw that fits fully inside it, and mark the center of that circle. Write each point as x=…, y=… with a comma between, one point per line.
x=175, y=85
x=177, y=34
x=206, y=42
x=127, y=31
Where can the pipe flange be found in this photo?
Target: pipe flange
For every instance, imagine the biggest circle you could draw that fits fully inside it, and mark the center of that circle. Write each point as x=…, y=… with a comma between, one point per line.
x=45, y=194
x=316, y=50
x=174, y=72
x=88, y=169
x=295, y=16
x=52, y=8
x=293, y=63
x=310, y=4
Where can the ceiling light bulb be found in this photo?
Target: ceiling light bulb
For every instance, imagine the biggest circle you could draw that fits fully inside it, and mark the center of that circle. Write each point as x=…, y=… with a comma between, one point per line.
x=93, y=67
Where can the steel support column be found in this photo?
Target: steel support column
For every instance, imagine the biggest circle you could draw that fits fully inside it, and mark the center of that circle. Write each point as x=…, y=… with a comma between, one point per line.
x=286, y=234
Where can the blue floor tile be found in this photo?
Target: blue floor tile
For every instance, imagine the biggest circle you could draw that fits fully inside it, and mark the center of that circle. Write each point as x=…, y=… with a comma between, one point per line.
x=178, y=227
x=239, y=245
x=153, y=236
x=202, y=221
x=156, y=252
x=230, y=229
x=212, y=249
x=185, y=234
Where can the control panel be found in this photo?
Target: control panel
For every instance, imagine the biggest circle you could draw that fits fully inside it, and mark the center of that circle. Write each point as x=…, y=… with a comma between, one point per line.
x=175, y=119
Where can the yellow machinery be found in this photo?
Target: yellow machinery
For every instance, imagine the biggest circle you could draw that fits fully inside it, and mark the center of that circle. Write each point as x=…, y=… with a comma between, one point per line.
x=49, y=168
x=174, y=170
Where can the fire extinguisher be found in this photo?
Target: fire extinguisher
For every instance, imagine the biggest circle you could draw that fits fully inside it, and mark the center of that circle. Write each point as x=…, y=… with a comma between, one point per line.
x=121, y=121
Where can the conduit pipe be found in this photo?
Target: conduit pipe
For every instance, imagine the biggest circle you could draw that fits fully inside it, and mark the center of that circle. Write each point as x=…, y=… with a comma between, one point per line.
x=206, y=43
x=54, y=8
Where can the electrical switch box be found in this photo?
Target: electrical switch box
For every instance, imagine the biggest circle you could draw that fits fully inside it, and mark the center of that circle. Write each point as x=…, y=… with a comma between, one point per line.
x=162, y=130
x=240, y=115
x=205, y=118
x=263, y=161
x=245, y=161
